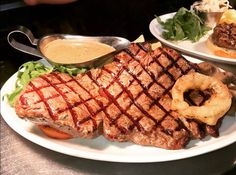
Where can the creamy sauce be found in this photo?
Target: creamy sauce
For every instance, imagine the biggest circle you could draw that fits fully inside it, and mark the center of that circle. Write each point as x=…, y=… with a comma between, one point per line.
x=70, y=51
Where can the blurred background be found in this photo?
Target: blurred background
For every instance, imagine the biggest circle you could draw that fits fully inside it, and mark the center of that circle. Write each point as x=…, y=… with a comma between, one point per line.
x=84, y=17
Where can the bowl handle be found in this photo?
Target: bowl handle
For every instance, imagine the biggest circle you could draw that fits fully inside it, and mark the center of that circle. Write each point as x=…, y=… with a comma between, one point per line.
x=22, y=47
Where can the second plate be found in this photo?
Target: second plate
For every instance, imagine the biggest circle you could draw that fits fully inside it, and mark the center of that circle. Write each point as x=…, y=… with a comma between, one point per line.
x=197, y=49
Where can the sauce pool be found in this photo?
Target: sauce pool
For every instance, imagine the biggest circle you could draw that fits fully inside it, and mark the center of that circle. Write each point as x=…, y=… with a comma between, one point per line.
x=72, y=51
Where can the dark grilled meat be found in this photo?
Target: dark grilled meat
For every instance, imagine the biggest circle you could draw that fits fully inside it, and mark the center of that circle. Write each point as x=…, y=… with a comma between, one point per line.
x=62, y=102
x=224, y=35
x=126, y=100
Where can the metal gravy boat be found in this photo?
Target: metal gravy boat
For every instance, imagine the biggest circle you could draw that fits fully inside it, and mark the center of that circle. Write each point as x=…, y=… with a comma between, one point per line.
x=118, y=43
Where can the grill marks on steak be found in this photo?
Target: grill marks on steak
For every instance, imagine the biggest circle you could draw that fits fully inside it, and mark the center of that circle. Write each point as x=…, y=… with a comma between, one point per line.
x=224, y=35
x=145, y=117
x=126, y=100
x=62, y=102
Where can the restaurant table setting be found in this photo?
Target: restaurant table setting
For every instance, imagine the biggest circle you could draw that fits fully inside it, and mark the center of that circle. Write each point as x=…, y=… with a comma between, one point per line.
x=28, y=149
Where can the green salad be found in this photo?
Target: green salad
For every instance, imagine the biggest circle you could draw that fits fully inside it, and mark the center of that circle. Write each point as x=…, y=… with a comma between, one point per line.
x=184, y=25
x=33, y=69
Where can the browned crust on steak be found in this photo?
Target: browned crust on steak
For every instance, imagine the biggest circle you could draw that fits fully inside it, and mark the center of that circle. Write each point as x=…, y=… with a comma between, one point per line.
x=140, y=105
x=126, y=100
x=224, y=35
x=59, y=100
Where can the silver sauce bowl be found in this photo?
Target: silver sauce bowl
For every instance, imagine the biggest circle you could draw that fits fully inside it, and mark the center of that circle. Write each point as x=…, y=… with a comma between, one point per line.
x=118, y=43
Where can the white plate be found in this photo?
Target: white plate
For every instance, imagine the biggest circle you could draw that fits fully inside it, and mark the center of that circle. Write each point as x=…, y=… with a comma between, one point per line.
x=197, y=49
x=102, y=149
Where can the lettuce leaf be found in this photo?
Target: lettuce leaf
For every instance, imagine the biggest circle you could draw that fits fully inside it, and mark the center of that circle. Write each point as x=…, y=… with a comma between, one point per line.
x=26, y=73
x=184, y=25
x=33, y=69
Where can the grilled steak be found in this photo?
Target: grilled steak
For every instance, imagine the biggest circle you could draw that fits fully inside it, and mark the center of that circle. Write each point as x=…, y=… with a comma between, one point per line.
x=126, y=100
x=224, y=35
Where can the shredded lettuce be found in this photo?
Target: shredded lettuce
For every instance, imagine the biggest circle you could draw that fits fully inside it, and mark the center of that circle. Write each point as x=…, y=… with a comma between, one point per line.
x=33, y=69
x=73, y=71
x=26, y=73
x=184, y=25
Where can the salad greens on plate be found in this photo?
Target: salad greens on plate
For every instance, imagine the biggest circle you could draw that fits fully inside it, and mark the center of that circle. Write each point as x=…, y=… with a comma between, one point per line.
x=33, y=69
x=184, y=25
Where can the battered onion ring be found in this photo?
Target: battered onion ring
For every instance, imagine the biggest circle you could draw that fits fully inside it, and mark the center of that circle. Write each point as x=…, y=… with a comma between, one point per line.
x=213, y=109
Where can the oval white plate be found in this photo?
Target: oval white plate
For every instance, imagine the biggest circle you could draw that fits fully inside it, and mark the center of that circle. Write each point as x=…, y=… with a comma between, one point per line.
x=197, y=49
x=102, y=149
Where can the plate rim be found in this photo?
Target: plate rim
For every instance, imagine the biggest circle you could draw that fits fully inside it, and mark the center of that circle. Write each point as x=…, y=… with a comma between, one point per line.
x=170, y=44
x=95, y=155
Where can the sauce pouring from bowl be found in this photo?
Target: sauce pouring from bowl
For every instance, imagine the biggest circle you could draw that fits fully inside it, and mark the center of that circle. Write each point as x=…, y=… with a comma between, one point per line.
x=83, y=51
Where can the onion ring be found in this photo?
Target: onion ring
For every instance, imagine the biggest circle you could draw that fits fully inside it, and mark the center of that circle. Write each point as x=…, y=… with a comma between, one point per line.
x=213, y=109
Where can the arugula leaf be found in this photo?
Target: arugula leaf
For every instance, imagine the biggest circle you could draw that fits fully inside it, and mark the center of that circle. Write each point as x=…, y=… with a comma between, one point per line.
x=184, y=25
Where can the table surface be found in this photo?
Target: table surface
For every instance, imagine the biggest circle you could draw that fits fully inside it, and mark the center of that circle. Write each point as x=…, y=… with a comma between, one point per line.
x=20, y=157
